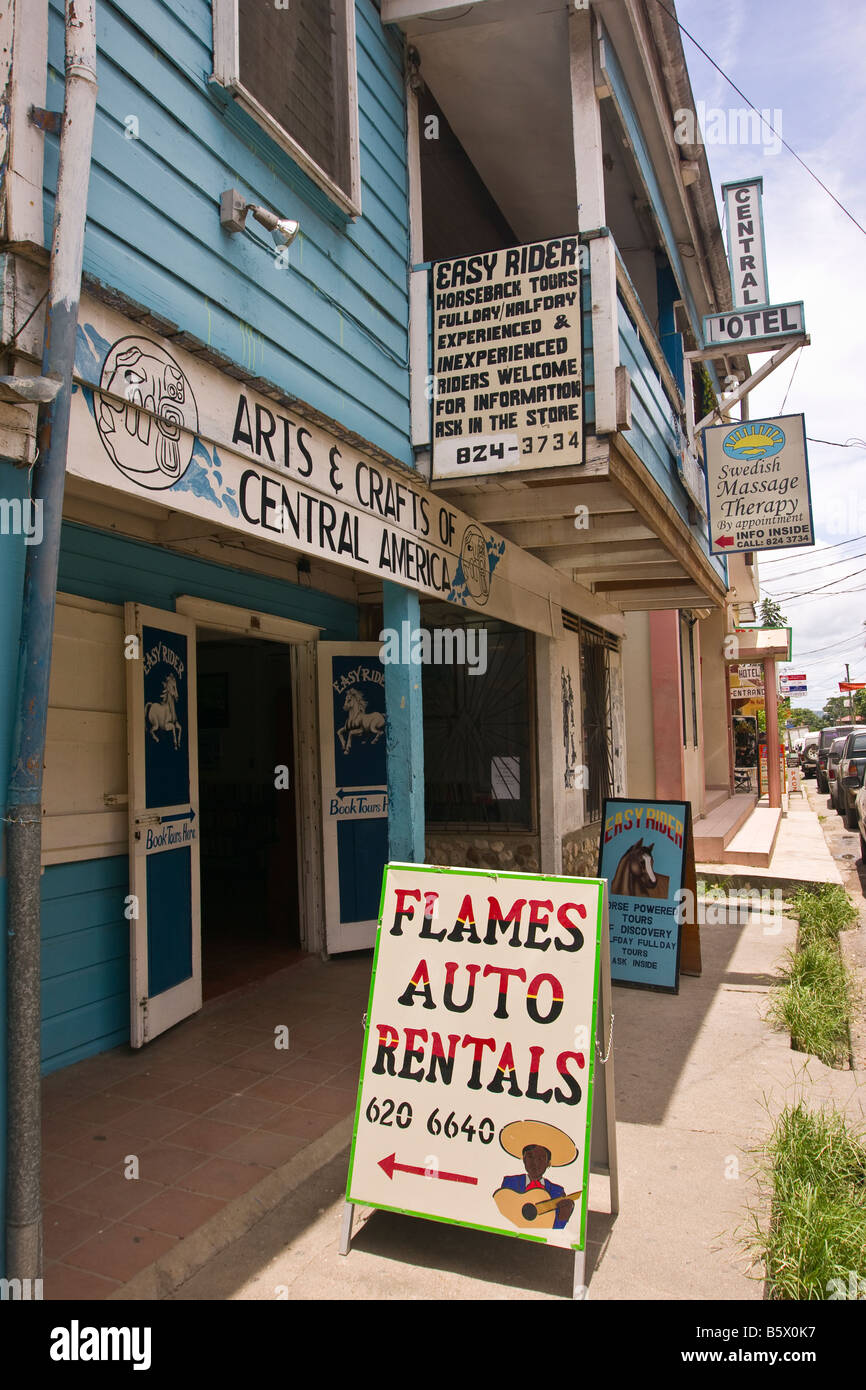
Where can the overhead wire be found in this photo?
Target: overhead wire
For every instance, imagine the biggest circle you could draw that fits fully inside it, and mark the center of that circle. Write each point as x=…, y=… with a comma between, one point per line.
x=762, y=117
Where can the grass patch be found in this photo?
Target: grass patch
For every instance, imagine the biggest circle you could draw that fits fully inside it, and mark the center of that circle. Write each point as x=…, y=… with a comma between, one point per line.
x=812, y=1003
x=823, y=912
x=814, y=1172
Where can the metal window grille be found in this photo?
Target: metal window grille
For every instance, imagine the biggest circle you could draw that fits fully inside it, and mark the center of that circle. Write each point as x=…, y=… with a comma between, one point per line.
x=596, y=646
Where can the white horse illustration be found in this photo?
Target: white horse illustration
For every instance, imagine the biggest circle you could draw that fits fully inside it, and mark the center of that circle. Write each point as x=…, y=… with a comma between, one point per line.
x=164, y=715
x=358, y=721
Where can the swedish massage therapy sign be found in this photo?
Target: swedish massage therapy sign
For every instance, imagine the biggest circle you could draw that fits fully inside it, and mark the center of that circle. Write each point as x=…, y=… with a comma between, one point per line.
x=643, y=854
x=475, y=1096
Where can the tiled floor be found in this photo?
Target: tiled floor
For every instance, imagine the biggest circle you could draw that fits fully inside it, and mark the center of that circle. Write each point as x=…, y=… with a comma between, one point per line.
x=202, y=1114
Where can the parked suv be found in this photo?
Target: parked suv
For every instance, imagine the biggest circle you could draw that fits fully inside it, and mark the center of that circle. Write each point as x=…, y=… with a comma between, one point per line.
x=825, y=738
x=809, y=756
x=832, y=771
x=852, y=765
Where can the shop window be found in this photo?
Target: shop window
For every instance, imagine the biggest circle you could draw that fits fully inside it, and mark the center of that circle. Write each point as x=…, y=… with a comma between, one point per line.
x=595, y=648
x=293, y=69
x=478, y=734
x=688, y=682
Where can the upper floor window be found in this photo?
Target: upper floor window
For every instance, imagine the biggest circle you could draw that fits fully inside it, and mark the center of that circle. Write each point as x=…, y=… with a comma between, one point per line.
x=293, y=69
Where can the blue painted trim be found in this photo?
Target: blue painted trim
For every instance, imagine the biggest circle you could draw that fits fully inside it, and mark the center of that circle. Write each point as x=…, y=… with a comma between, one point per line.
x=115, y=569
x=405, y=706
x=13, y=483
x=622, y=99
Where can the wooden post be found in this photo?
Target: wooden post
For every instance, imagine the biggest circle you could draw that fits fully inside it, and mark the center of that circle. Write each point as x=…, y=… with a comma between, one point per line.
x=405, y=734
x=774, y=776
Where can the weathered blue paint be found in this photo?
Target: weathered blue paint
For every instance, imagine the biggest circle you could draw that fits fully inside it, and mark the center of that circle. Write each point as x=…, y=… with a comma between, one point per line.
x=654, y=435
x=671, y=341
x=13, y=483
x=331, y=328
x=633, y=129
x=114, y=569
x=405, y=736
x=85, y=960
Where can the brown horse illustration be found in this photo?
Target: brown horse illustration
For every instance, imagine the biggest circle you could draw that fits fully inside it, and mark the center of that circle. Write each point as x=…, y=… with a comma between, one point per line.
x=635, y=876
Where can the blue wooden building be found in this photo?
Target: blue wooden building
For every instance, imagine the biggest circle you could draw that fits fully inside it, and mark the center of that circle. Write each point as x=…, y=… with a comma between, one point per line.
x=258, y=483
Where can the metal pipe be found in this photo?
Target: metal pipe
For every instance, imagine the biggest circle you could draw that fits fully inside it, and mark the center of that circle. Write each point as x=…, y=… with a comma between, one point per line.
x=24, y=829
x=774, y=771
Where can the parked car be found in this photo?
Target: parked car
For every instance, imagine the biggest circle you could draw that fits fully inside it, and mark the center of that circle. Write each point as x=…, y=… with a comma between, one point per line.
x=825, y=738
x=852, y=765
x=809, y=757
x=832, y=766
x=860, y=808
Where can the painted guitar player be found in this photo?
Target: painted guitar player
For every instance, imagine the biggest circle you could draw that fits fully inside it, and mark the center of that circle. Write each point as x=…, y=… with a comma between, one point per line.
x=528, y=1199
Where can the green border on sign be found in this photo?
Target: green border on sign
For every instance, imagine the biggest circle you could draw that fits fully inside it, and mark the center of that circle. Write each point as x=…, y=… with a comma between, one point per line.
x=587, y=1138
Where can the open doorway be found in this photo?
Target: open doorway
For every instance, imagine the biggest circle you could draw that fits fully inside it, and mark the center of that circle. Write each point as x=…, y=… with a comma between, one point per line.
x=250, y=921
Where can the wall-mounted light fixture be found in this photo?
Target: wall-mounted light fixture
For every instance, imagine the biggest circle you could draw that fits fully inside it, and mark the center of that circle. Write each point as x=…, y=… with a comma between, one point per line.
x=233, y=217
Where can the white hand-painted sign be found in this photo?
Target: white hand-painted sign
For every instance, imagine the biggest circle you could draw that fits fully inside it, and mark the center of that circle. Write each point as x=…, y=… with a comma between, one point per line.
x=156, y=422
x=758, y=485
x=507, y=370
x=747, y=253
x=476, y=1083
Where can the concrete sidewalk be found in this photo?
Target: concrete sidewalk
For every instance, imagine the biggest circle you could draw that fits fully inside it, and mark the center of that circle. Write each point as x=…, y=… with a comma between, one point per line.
x=698, y=1077
x=800, y=854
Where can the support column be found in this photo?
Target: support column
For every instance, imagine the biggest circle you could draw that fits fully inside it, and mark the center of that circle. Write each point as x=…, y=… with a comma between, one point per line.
x=404, y=707
x=771, y=706
x=667, y=698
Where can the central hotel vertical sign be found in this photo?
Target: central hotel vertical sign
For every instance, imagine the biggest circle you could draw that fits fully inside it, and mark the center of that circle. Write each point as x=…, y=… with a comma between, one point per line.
x=506, y=390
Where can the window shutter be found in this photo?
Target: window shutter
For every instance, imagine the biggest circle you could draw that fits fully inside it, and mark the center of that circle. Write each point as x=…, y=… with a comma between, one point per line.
x=295, y=63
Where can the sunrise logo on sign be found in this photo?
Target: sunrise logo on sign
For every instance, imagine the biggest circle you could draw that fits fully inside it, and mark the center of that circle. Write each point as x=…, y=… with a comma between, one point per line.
x=754, y=441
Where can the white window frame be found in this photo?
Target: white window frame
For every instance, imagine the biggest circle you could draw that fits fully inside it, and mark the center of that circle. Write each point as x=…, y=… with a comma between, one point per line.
x=226, y=71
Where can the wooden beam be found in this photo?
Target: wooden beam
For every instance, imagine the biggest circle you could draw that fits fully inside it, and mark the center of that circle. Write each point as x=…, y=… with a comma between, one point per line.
x=650, y=574
x=591, y=553
x=522, y=504
x=537, y=535
x=661, y=516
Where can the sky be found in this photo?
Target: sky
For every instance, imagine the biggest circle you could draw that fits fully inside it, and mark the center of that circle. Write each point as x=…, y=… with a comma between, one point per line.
x=803, y=64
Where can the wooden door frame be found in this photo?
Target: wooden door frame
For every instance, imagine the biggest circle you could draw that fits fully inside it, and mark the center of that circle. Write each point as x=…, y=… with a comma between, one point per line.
x=302, y=640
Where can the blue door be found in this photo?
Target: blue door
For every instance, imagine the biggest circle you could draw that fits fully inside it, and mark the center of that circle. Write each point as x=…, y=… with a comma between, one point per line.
x=354, y=766
x=165, y=974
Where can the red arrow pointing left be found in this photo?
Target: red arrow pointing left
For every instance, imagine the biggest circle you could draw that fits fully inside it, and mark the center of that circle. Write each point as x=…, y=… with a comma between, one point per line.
x=725, y=540
x=390, y=1163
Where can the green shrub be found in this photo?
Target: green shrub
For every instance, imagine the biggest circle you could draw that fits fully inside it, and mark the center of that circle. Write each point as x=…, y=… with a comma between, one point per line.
x=814, y=1171
x=812, y=1003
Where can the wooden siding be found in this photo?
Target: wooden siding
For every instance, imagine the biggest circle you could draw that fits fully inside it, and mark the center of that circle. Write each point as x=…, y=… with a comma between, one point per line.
x=13, y=483
x=638, y=146
x=116, y=570
x=653, y=434
x=85, y=960
x=85, y=995
x=332, y=327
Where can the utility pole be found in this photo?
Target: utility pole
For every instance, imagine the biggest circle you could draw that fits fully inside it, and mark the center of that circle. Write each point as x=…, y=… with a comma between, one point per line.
x=850, y=692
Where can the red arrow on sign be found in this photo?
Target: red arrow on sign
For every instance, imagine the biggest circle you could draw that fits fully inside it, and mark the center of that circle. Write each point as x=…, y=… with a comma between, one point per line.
x=390, y=1163
x=725, y=540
